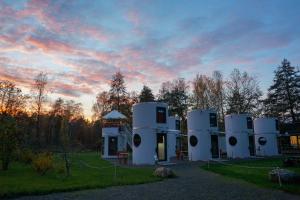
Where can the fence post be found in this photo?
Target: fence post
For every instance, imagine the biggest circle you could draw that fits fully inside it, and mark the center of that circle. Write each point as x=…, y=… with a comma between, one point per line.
x=115, y=174
x=208, y=164
x=279, y=179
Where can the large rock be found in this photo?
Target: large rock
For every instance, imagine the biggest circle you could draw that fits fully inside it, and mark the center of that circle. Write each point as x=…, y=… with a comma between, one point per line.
x=286, y=176
x=163, y=172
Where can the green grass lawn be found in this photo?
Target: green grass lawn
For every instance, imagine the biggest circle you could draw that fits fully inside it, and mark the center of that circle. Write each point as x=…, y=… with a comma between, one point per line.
x=258, y=176
x=21, y=179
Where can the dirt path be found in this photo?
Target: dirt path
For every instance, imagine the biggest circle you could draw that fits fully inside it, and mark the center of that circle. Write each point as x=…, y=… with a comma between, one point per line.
x=192, y=183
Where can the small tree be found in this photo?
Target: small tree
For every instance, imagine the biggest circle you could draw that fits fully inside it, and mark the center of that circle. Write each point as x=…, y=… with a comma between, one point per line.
x=39, y=96
x=8, y=139
x=146, y=95
x=65, y=143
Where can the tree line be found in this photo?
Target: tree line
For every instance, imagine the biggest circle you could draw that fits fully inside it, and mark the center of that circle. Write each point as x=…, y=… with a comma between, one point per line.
x=31, y=121
x=238, y=93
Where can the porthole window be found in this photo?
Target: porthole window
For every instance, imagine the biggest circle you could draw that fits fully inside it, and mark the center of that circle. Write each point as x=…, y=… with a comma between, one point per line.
x=232, y=141
x=137, y=140
x=262, y=140
x=193, y=140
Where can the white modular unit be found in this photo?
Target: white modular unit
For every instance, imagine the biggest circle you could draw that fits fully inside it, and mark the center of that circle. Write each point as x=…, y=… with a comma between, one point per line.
x=201, y=124
x=173, y=135
x=238, y=127
x=265, y=132
x=112, y=141
x=150, y=126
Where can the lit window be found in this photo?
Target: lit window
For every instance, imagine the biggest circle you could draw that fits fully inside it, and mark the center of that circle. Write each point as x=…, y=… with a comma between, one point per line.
x=295, y=141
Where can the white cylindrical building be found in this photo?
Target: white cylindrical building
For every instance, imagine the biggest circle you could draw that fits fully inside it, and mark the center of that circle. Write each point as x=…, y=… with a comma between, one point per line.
x=150, y=127
x=201, y=123
x=238, y=127
x=173, y=135
x=265, y=132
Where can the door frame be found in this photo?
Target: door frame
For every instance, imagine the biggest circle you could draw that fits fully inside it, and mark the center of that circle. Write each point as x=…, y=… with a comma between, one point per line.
x=165, y=146
x=251, y=139
x=218, y=149
x=109, y=152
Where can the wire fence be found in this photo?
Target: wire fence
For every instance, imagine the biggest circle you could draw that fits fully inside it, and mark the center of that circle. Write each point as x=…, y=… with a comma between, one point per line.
x=276, y=168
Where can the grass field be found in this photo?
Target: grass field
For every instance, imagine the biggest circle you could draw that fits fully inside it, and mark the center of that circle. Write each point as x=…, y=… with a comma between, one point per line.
x=21, y=179
x=258, y=176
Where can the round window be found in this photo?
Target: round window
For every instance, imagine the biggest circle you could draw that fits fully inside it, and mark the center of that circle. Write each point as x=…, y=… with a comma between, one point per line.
x=193, y=140
x=262, y=140
x=232, y=141
x=137, y=140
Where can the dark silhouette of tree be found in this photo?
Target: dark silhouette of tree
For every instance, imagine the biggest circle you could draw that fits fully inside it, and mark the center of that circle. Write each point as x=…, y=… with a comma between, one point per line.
x=243, y=93
x=39, y=97
x=8, y=139
x=208, y=92
x=117, y=91
x=146, y=95
x=102, y=105
x=12, y=99
x=283, y=98
x=175, y=93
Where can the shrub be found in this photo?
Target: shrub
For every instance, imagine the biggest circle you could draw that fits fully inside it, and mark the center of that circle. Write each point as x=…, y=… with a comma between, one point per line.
x=43, y=163
x=60, y=169
x=27, y=156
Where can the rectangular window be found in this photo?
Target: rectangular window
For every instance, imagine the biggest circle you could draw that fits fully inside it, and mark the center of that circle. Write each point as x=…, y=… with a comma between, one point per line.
x=177, y=125
x=161, y=115
x=213, y=119
x=295, y=141
x=249, y=123
x=276, y=125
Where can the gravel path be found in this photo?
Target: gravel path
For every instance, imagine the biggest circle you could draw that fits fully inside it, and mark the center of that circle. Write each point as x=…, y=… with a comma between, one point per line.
x=192, y=183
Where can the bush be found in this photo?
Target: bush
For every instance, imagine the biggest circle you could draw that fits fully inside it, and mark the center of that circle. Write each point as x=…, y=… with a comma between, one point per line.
x=60, y=169
x=27, y=156
x=43, y=163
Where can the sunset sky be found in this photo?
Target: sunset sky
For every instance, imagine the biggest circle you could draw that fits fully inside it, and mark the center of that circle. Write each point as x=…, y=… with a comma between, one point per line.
x=80, y=44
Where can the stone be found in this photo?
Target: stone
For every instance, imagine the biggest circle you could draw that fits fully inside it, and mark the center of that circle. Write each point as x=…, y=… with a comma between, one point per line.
x=163, y=172
x=286, y=176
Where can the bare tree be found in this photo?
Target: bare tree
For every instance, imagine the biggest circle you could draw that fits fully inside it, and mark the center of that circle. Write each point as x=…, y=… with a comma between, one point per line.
x=102, y=105
x=12, y=99
x=218, y=93
x=202, y=92
x=39, y=97
x=243, y=93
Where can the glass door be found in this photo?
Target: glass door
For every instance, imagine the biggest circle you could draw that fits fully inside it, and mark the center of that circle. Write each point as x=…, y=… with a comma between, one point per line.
x=112, y=146
x=214, y=146
x=162, y=147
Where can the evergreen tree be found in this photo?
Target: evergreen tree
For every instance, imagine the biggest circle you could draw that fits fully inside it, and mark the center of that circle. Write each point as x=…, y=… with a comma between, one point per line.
x=176, y=95
x=117, y=91
x=283, y=98
x=146, y=95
